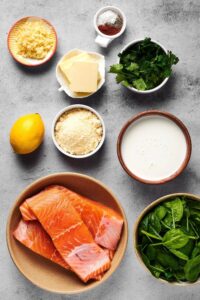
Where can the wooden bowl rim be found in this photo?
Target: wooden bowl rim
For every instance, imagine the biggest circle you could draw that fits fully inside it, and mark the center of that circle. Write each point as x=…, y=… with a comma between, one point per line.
x=178, y=122
x=124, y=233
x=30, y=64
x=146, y=210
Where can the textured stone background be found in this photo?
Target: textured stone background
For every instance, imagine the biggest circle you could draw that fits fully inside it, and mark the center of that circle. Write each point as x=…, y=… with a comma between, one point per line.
x=173, y=23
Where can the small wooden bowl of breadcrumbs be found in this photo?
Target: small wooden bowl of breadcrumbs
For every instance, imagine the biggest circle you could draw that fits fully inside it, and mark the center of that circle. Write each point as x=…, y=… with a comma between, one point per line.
x=78, y=131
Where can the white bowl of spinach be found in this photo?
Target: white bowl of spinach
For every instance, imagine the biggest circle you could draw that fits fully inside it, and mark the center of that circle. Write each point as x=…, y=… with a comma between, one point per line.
x=167, y=238
x=144, y=66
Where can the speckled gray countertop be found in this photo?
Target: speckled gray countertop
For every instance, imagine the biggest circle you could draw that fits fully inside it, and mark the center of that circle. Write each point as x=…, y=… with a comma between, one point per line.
x=176, y=25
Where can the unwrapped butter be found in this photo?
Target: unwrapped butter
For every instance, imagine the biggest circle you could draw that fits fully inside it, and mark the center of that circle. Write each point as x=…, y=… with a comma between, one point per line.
x=83, y=77
x=81, y=72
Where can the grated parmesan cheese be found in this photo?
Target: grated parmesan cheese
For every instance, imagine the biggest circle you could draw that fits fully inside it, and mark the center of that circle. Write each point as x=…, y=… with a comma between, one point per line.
x=34, y=39
x=78, y=131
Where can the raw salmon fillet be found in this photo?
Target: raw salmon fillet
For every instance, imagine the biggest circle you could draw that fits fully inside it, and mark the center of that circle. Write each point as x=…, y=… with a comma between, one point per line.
x=26, y=212
x=33, y=236
x=69, y=234
x=103, y=222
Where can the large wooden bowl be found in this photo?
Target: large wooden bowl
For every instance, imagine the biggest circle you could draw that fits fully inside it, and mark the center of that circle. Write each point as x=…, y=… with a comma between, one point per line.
x=44, y=273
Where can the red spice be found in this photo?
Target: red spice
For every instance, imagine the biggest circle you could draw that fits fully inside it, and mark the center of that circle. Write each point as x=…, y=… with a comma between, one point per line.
x=109, y=29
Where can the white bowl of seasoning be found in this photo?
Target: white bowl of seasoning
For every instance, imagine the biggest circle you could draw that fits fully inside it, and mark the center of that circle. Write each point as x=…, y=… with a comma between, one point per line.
x=78, y=131
x=109, y=23
x=154, y=147
x=157, y=88
x=64, y=83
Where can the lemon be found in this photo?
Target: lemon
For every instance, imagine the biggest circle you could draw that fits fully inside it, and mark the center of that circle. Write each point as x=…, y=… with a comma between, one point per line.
x=27, y=133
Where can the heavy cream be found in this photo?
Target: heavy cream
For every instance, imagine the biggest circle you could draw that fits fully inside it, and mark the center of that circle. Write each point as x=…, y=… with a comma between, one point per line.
x=153, y=147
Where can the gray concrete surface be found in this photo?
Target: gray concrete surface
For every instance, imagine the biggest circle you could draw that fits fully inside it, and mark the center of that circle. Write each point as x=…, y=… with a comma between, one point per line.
x=173, y=23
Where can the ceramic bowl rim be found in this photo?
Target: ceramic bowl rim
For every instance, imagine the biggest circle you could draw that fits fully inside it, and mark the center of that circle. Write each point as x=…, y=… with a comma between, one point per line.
x=71, y=107
x=114, y=36
x=173, y=118
x=146, y=210
x=162, y=83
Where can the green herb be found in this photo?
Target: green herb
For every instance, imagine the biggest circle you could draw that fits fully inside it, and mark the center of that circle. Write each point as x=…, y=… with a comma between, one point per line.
x=144, y=65
x=192, y=269
x=176, y=209
x=160, y=212
x=179, y=254
x=174, y=238
x=169, y=240
x=151, y=252
x=196, y=250
x=166, y=259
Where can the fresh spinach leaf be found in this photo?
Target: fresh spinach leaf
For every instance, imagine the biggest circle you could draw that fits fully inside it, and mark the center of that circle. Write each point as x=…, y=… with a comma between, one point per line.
x=174, y=239
x=167, y=221
x=169, y=238
x=176, y=207
x=179, y=254
x=180, y=275
x=160, y=212
x=144, y=224
x=193, y=204
x=151, y=252
x=188, y=248
x=150, y=235
x=196, y=250
x=169, y=275
x=167, y=260
x=154, y=222
x=195, y=213
x=192, y=269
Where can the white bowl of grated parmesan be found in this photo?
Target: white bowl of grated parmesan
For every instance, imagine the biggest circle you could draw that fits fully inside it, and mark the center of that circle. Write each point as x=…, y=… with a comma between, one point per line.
x=78, y=131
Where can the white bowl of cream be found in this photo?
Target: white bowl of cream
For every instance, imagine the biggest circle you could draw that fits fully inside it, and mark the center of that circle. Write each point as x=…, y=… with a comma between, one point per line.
x=154, y=147
x=78, y=131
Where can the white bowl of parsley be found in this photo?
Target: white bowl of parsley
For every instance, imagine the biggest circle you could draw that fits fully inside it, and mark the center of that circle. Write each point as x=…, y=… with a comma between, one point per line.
x=144, y=66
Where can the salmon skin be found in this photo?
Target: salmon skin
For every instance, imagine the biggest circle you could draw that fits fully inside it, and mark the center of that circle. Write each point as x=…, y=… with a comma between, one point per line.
x=69, y=234
x=33, y=236
x=103, y=222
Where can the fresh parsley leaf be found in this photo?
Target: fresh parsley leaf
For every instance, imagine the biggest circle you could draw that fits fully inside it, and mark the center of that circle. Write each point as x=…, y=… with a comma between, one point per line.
x=125, y=83
x=139, y=84
x=144, y=65
x=116, y=68
x=132, y=67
